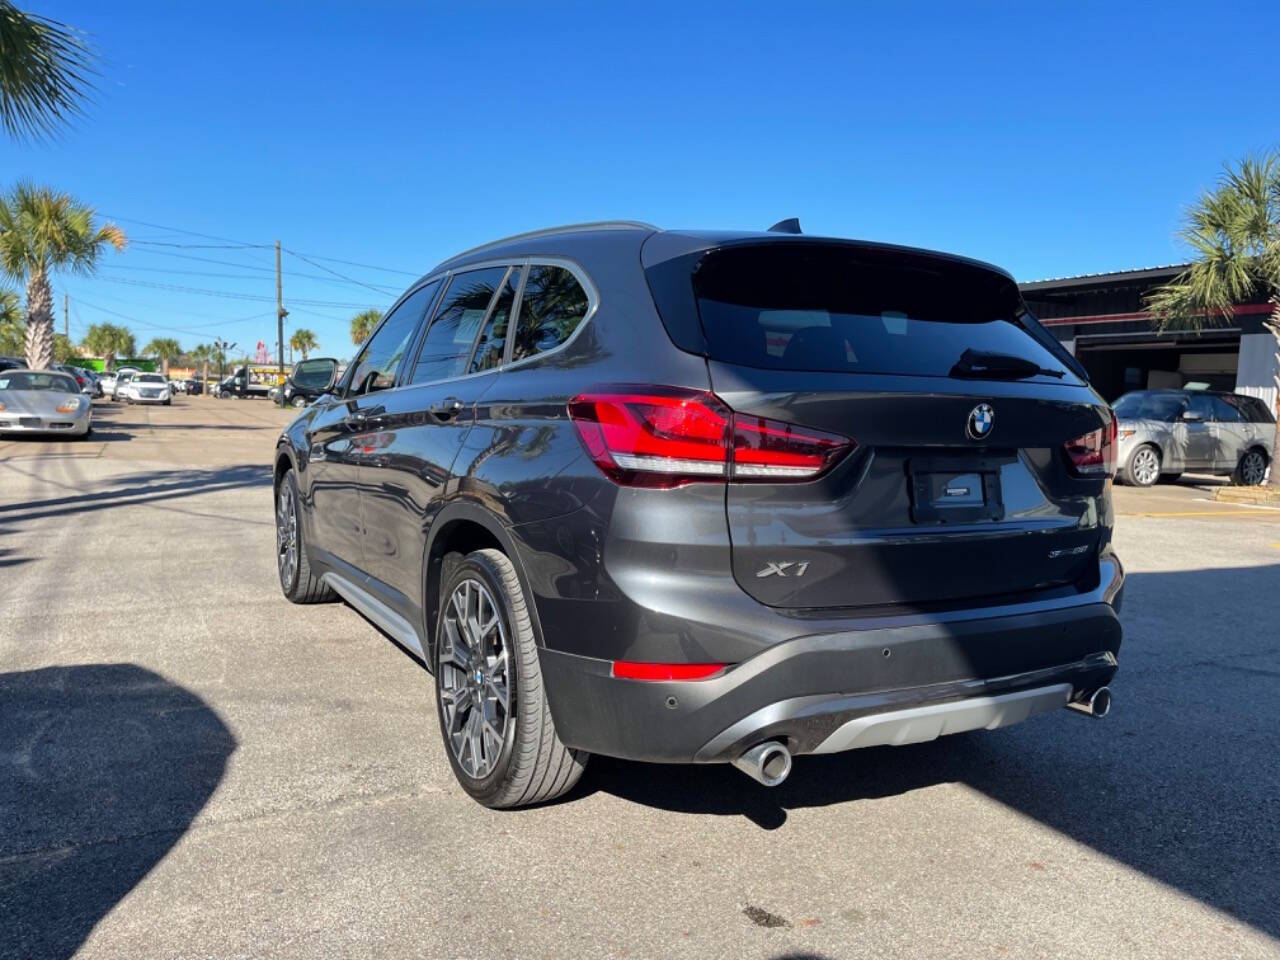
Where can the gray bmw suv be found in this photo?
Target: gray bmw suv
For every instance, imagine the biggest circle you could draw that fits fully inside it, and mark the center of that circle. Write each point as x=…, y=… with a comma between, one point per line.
x=698, y=497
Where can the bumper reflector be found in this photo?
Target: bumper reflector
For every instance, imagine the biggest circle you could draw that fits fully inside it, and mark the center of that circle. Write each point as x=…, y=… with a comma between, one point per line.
x=633, y=670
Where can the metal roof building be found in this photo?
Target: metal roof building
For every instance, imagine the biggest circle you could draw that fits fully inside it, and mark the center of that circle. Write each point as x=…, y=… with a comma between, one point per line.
x=1102, y=318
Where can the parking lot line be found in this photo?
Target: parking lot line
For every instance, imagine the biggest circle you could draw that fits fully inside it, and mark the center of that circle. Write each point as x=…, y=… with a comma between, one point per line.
x=1200, y=513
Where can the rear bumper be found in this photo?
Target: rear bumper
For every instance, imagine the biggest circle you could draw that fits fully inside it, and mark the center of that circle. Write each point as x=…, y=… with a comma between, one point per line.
x=808, y=691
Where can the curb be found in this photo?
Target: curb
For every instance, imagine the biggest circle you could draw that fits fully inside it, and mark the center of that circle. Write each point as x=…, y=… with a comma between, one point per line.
x=1260, y=495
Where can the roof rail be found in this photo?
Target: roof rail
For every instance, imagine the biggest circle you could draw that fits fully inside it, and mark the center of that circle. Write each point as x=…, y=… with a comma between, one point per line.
x=552, y=231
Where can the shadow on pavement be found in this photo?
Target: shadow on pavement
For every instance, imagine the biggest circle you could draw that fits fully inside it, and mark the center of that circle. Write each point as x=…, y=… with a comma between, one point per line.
x=102, y=769
x=143, y=488
x=1180, y=782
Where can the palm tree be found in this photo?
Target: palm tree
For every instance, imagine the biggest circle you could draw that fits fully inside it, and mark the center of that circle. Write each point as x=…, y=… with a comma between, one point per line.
x=1234, y=230
x=164, y=348
x=109, y=341
x=203, y=354
x=64, y=351
x=44, y=72
x=41, y=231
x=13, y=328
x=362, y=325
x=304, y=341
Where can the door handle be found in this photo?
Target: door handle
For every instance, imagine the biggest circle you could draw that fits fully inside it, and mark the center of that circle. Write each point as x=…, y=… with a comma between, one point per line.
x=446, y=409
x=359, y=419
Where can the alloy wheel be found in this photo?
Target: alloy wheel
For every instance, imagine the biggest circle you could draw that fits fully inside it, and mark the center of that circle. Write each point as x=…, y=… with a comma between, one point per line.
x=286, y=535
x=473, y=678
x=1253, y=468
x=1146, y=468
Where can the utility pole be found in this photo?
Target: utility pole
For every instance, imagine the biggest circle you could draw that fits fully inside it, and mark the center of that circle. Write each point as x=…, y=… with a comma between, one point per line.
x=281, y=313
x=66, y=317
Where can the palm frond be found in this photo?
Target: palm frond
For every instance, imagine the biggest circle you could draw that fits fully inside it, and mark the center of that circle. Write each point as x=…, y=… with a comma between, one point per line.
x=46, y=73
x=1233, y=231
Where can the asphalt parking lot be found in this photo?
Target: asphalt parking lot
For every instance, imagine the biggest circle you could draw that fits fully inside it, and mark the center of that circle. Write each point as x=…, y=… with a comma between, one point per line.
x=191, y=767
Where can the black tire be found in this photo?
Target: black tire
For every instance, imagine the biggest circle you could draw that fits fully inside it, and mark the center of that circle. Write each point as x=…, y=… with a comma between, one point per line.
x=1141, y=477
x=1251, y=471
x=532, y=766
x=298, y=584
x=168, y=403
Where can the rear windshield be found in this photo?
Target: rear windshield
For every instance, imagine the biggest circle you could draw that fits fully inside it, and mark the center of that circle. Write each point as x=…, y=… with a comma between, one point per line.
x=59, y=382
x=1150, y=406
x=841, y=309
x=150, y=378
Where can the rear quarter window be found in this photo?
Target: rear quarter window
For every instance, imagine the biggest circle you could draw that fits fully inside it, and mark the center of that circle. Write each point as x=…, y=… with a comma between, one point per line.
x=552, y=306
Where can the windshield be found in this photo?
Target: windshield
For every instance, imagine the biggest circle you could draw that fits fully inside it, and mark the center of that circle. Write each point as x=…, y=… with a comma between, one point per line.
x=1150, y=406
x=150, y=378
x=58, y=382
x=825, y=308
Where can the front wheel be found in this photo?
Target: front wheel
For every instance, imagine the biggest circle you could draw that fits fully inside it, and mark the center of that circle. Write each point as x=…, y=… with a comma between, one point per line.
x=297, y=582
x=1251, y=471
x=490, y=699
x=1143, y=468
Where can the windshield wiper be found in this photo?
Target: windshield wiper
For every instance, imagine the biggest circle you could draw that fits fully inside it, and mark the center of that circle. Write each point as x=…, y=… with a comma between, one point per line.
x=981, y=365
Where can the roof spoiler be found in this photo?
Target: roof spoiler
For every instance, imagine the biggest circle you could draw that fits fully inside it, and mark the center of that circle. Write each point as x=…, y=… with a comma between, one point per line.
x=790, y=225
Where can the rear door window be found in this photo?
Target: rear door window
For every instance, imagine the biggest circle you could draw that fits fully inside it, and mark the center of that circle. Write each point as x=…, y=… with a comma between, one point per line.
x=1201, y=405
x=492, y=345
x=552, y=306
x=832, y=308
x=447, y=345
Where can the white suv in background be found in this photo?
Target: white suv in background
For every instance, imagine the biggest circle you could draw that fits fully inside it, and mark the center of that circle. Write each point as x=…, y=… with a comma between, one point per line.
x=147, y=388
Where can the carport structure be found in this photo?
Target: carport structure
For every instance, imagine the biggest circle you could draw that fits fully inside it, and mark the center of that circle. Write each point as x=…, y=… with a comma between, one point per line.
x=1103, y=320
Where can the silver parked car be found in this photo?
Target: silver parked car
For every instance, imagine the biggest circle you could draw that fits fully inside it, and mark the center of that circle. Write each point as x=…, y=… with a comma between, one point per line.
x=1163, y=433
x=43, y=401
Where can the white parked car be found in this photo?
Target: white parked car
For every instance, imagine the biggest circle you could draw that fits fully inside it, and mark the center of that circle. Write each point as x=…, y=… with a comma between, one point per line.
x=147, y=388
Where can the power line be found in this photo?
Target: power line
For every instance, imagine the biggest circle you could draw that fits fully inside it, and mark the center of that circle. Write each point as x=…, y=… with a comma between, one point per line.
x=245, y=244
x=341, y=276
x=198, y=246
x=225, y=263
x=384, y=291
x=142, y=323
x=228, y=294
x=203, y=330
x=366, y=266
x=99, y=295
x=189, y=233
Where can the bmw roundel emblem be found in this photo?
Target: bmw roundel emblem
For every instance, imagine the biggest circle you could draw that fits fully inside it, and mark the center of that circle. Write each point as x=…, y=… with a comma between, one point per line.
x=982, y=420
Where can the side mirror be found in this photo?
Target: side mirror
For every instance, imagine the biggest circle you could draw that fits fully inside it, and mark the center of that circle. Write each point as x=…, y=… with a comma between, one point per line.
x=319, y=374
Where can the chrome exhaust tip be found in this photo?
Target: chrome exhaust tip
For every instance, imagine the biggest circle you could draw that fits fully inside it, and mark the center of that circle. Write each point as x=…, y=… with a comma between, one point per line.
x=1097, y=706
x=768, y=763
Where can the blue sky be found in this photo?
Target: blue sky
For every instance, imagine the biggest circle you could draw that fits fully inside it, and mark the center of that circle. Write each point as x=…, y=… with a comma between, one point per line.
x=1052, y=140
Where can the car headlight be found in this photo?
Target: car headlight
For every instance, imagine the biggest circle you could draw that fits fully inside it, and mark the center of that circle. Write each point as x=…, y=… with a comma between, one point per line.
x=69, y=406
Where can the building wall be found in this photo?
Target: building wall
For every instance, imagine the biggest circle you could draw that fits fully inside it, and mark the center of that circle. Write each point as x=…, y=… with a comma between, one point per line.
x=1258, y=373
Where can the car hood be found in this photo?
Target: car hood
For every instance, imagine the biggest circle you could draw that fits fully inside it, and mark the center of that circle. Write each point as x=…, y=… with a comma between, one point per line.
x=35, y=403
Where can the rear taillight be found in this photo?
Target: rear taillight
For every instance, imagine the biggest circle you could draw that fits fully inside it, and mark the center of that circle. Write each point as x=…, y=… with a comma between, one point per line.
x=1094, y=454
x=668, y=436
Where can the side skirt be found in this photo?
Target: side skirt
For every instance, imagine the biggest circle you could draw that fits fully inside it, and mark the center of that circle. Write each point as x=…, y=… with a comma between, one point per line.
x=400, y=629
